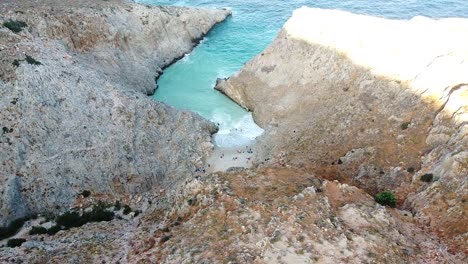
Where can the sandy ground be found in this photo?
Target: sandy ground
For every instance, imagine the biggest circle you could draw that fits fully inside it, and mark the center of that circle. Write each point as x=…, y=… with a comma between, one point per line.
x=224, y=158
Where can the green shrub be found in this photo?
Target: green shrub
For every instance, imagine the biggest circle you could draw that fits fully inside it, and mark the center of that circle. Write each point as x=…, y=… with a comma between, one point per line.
x=405, y=125
x=191, y=201
x=86, y=193
x=165, y=239
x=127, y=210
x=428, y=177
x=98, y=214
x=15, y=25
x=15, y=242
x=74, y=219
x=117, y=206
x=32, y=61
x=16, y=63
x=386, y=198
x=38, y=230
x=69, y=220
x=12, y=228
x=53, y=230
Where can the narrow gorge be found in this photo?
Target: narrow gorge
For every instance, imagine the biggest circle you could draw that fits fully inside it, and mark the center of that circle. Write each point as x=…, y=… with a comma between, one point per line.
x=94, y=169
x=79, y=117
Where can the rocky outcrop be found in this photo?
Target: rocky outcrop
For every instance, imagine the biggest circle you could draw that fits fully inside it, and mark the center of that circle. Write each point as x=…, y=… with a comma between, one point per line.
x=74, y=107
x=275, y=215
x=372, y=102
x=337, y=102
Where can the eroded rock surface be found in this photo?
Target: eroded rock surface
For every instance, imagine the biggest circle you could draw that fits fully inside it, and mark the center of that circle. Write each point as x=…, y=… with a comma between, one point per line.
x=74, y=107
x=273, y=215
x=373, y=102
x=328, y=115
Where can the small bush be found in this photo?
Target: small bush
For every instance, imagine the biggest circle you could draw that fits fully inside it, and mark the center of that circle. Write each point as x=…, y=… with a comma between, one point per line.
x=69, y=220
x=405, y=125
x=98, y=214
x=15, y=242
x=12, y=228
x=117, y=206
x=32, y=61
x=16, y=63
x=410, y=170
x=386, y=198
x=86, y=193
x=191, y=201
x=127, y=210
x=53, y=230
x=165, y=239
x=74, y=219
x=428, y=177
x=38, y=230
x=15, y=25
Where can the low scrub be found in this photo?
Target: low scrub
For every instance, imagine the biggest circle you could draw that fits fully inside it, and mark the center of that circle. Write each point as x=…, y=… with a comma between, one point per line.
x=53, y=230
x=386, y=198
x=15, y=242
x=32, y=61
x=15, y=25
x=86, y=193
x=127, y=210
x=428, y=177
x=12, y=228
x=38, y=230
x=72, y=219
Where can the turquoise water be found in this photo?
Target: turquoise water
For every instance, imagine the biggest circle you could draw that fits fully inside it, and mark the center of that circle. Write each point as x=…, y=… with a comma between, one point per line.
x=188, y=84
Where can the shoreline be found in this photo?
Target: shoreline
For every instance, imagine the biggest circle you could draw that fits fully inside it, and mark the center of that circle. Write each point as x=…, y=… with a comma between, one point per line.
x=224, y=158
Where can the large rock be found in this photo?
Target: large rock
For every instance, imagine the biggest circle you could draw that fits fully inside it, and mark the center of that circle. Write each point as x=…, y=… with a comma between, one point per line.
x=362, y=99
x=81, y=120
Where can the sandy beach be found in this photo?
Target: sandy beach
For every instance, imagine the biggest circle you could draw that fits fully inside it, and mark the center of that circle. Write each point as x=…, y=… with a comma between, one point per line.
x=224, y=158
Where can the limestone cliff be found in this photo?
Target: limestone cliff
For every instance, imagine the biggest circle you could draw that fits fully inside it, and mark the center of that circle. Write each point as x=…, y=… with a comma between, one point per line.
x=312, y=94
x=373, y=102
x=74, y=109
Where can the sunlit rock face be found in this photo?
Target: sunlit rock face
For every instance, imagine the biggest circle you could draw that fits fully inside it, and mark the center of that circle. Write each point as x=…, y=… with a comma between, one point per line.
x=77, y=117
x=369, y=101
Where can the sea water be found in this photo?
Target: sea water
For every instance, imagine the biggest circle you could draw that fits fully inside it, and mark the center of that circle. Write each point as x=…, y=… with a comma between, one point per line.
x=188, y=84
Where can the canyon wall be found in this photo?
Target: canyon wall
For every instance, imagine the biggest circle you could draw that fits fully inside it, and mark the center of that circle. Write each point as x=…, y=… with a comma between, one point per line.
x=338, y=103
x=74, y=109
x=380, y=104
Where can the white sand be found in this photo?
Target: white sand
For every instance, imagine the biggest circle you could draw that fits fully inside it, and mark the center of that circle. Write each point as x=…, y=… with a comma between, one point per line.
x=225, y=158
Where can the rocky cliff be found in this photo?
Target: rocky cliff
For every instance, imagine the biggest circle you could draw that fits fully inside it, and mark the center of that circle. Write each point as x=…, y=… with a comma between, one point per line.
x=380, y=104
x=74, y=110
x=335, y=104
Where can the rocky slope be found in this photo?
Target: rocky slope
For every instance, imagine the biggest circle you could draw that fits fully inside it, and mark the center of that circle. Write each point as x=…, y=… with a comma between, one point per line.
x=274, y=215
x=74, y=80
x=380, y=104
x=289, y=210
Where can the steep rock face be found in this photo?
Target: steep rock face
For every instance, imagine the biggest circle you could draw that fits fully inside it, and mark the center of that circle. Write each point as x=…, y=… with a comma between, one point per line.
x=73, y=104
x=369, y=101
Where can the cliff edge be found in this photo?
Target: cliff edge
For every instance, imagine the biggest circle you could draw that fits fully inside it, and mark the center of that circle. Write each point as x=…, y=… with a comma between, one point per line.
x=380, y=104
x=74, y=80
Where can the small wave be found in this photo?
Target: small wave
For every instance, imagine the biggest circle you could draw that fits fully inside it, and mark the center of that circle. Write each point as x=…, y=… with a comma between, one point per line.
x=236, y=134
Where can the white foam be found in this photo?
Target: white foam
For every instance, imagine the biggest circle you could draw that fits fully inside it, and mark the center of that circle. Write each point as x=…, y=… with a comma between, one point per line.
x=233, y=134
